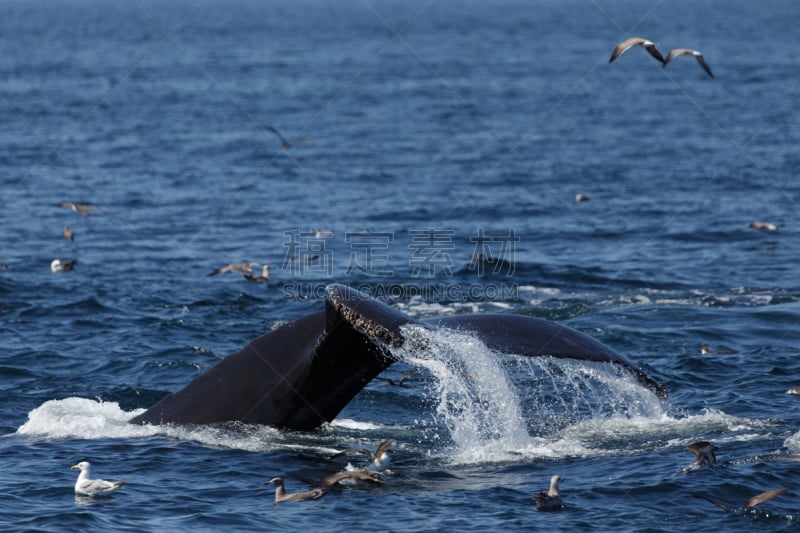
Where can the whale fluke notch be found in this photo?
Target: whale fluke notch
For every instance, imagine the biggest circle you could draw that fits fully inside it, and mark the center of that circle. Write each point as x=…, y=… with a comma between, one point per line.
x=361, y=312
x=303, y=374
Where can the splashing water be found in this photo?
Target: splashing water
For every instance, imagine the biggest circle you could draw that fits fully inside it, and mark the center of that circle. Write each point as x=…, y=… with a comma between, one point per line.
x=497, y=406
x=476, y=401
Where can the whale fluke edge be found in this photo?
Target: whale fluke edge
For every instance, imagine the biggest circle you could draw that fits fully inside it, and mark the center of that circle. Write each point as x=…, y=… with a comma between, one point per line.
x=304, y=373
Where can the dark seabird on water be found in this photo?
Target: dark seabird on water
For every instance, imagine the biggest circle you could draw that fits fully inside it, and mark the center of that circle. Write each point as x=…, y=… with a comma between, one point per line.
x=304, y=258
x=82, y=209
x=648, y=45
x=550, y=500
x=756, y=500
x=379, y=458
x=235, y=267
x=68, y=233
x=263, y=277
x=282, y=496
x=93, y=487
x=764, y=226
x=399, y=383
x=62, y=265
x=703, y=455
x=361, y=475
x=581, y=198
x=687, y=52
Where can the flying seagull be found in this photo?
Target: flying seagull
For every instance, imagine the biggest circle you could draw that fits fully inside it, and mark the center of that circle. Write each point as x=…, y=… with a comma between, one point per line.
x=650, y=46
x=550, y=500
x=399, y=382
x=82, y=209
x=378, y=458
x=687, y=52
x=285, y=144
x=236, y=267
x=756, y=500
x=93, y=487
x=282, y=496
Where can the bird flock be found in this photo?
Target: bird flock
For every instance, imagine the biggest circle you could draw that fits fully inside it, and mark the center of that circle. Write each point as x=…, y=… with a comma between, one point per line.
x=650, y=46
x=379, y=460
x=705, y=456
x=376, y=469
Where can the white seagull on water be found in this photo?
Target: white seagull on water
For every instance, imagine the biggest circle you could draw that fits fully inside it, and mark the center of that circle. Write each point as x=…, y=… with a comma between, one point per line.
x=93, y=487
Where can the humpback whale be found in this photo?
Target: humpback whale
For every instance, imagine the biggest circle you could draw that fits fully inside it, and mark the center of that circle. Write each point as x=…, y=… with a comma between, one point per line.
x=302, y=374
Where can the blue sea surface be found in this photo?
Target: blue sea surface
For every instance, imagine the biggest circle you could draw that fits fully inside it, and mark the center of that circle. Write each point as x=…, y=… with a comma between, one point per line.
x=422, y=133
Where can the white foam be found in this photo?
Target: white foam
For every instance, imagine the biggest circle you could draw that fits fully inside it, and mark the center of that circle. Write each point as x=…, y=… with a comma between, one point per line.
x=83, y=418
x=792, y=443
x=347, y=423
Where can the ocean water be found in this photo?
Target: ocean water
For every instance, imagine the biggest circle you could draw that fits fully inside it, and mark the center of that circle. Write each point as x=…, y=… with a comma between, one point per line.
x=424, y=133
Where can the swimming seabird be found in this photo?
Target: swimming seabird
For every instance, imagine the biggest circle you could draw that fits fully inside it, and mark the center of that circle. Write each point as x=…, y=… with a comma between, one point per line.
x=322, y=234
x=378, y=459
x=581, y=198
x=83, y=209
x=235, y=267
x=68, y=233
x=703, y=455
x=688, y=52
x=550, y=500
x=758, y=499
x=282, y=496
x=650, y=46
x=362, y=475
x=59, y=265
x=264, y=276
x=705, y=349
x=399, y=383
x=93, y=487
x=764, y=226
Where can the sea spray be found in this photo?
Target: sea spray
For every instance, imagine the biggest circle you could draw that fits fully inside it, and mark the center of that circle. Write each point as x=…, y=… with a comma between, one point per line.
x=557, y=392
x=497, y=406
x=476, y=401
